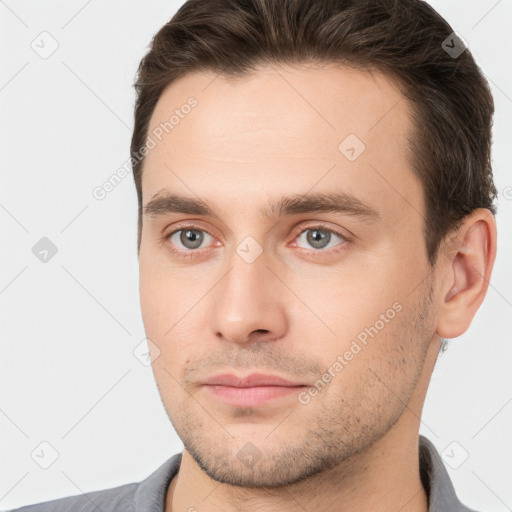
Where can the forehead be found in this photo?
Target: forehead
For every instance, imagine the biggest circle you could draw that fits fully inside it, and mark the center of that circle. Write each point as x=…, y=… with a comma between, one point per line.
x=282, y=129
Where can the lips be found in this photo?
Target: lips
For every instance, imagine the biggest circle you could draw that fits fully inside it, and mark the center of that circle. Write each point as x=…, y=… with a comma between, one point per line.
x=253, y=390
x=249, y=381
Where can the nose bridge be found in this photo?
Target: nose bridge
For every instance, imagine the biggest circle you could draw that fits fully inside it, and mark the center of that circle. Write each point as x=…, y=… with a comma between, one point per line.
x=248, y=282
x=246, y=298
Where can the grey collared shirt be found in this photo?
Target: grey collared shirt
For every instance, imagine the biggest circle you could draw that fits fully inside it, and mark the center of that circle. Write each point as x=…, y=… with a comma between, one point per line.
x=149, y=495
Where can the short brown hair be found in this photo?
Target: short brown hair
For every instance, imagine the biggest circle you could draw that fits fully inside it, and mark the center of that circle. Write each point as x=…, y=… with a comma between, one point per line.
x=452, y=105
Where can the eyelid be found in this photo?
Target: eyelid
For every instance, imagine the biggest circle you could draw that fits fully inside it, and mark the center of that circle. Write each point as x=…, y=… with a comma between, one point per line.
x=187, y=225
x=324, y=227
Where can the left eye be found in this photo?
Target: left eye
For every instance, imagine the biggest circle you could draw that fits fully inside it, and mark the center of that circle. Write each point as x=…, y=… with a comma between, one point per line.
x=319, y=238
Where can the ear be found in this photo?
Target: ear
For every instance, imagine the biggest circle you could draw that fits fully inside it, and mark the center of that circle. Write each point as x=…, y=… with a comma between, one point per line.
x=466, y=273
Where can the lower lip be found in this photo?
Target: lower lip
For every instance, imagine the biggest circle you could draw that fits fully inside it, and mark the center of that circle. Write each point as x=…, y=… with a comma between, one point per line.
x=253, y=396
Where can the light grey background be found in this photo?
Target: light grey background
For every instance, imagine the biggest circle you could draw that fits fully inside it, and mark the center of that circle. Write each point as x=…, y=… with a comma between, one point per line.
x=68, y=374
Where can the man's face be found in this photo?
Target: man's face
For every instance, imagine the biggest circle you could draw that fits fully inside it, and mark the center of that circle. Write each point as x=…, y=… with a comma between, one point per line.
x=337, y=296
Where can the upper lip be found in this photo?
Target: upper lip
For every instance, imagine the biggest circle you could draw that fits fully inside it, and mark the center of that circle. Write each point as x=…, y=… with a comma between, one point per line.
x=252, y=380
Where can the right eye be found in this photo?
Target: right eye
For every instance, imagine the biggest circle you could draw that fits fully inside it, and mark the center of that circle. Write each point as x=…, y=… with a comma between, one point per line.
x=191, y=238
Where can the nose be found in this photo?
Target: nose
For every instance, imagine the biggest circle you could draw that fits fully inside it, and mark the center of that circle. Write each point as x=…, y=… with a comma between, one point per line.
x=249, y=302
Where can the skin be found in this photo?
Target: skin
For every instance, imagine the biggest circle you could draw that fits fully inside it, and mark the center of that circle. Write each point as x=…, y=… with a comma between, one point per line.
x=296, y=307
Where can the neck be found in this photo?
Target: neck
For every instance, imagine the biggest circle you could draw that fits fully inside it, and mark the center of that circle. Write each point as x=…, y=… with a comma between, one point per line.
x=385, y=478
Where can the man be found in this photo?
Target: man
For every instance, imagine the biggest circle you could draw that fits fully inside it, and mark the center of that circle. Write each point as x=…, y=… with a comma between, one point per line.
x=315, y=217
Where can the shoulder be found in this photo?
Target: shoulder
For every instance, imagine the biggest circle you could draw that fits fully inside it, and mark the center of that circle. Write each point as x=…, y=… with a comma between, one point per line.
x=108, y=500
x=145, y=496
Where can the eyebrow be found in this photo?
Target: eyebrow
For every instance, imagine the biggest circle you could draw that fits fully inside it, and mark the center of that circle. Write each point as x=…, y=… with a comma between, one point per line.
x=164, y=203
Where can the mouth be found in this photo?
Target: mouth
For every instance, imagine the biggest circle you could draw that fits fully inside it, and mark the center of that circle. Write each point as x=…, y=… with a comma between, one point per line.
x=252, y=390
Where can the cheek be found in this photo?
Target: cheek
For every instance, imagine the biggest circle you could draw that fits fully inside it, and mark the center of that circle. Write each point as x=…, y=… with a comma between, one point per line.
x=362, y=315
x=159, y=293
x=151, y=297
x=167, y=308
x=383, y=356
x=348, y=300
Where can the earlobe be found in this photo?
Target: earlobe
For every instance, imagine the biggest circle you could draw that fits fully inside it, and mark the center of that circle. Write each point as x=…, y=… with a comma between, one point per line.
x=466, y=273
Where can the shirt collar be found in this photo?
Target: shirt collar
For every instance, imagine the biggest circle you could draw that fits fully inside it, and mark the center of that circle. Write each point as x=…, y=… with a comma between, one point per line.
x=436, y=481
x=151, y=492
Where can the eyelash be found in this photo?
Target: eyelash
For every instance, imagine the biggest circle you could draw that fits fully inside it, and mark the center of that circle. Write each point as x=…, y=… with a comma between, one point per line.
x=191, y=253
